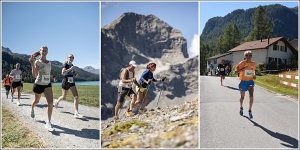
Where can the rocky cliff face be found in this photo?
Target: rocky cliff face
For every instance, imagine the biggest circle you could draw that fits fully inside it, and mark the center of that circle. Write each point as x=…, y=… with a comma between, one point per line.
x=146, y=39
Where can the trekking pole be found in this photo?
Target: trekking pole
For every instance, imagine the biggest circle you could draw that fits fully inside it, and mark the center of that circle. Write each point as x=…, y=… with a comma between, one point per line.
x=159, y=95
x=144, y=97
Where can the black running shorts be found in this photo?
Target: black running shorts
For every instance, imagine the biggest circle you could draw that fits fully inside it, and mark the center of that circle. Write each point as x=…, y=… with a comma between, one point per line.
x=66, y=85
x=16, y=84
x=39, y=89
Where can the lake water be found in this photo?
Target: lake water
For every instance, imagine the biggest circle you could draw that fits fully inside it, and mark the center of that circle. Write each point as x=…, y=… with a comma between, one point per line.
x=93, y=83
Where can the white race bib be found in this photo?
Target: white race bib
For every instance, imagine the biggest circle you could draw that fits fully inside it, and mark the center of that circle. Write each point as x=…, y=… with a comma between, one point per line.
x=46, y=78
x=18, y=76
x=70, y=80
x=248, y=73
x=222, y=69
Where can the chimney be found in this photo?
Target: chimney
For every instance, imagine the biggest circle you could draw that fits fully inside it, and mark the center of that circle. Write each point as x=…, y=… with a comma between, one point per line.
x=260, y=38
x=268, y=40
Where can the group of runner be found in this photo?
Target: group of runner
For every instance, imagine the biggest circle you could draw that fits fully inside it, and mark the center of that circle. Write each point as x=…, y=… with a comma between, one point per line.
x=14, y=81
x=41, y=71
x=139, y=94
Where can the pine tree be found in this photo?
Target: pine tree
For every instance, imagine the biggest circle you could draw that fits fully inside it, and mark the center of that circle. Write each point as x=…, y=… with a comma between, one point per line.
x=236, y=36
x=228, y=38
x=263, y=27
x=219, y=46
x=203, y=56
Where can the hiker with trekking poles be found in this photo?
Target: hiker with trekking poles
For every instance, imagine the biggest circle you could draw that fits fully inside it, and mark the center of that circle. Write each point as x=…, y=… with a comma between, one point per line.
x=127, y=78
x=145, y=82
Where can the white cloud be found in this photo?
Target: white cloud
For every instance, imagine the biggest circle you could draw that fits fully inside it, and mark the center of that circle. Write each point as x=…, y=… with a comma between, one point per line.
x=193, y=50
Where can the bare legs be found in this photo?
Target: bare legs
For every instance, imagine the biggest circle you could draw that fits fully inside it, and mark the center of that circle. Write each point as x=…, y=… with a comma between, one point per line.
x=49, y=96
x=19, y=92
x=74, y=91
x=221, y=79
x=140, y=97
x=251, y=91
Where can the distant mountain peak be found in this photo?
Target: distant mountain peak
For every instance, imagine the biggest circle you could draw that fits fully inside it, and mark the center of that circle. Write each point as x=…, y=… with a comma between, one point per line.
x=91, y=69
x=88, y=67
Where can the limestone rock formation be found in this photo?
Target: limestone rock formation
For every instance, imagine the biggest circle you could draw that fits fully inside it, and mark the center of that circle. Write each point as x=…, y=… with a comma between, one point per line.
x=146, y=39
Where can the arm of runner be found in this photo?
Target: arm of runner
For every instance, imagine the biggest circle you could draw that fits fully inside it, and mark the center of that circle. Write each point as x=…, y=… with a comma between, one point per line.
x=34, y=67
x=254, y=72
x=64, y=70
x=135, y=82
x=54, y=77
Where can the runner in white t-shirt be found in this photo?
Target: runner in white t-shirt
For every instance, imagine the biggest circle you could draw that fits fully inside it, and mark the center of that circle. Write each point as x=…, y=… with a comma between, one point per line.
x=15, y=74
x=41, y=69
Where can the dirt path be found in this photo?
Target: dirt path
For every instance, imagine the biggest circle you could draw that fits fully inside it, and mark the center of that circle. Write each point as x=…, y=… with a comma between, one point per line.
x=69, y=131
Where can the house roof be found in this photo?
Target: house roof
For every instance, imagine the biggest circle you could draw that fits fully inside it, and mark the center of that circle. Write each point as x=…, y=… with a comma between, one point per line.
x=261, y=44
x=218, y=56
x=294, y=40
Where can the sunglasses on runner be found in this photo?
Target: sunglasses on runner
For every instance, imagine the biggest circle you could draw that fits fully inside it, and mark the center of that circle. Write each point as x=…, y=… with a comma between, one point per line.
x=248, y=55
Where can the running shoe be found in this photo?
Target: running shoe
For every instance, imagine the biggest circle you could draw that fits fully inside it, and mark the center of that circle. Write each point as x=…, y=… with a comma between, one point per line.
x=129, y=113
x=18, y=103
x=116, y=117
x=141, y=111
x=12, y=99
x=32, y=114
x=78, y=115
x=55, y=104
x=250, y=115
x=49, y=126
x=241, y=111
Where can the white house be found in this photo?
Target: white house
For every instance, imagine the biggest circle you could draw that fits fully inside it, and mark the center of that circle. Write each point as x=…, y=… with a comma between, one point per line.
x=216, y=60
x=264, y=50
x=294, y=43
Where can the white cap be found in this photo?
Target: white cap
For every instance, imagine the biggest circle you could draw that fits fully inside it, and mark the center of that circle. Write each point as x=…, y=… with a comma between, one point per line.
x=133, y=63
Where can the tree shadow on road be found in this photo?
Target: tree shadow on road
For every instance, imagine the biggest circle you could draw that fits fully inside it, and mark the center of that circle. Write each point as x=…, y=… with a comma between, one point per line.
x=84, y=133
x=292, y=142
x=85, y=118
x=233, y=88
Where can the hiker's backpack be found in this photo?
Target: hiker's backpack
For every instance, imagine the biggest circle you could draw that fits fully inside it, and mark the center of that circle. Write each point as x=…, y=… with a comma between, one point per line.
x=127, y=75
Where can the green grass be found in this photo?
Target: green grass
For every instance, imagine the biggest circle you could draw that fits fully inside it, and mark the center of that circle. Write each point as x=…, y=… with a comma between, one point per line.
x=88, y=95
x=124, y=127
x=15, y=134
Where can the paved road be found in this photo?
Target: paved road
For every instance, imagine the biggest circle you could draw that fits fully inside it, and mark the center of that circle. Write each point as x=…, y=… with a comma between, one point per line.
x=274, y=123
x=69, y=131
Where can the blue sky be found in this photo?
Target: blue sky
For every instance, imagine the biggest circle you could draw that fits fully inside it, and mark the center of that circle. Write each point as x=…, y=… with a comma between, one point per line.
x=65, y=27
x=179, y=15
x=213, y=9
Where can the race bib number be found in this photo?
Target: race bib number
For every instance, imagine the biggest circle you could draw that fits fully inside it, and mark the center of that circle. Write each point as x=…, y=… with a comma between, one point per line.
x=222, y=69
x=46, y=78
x=18, y=76
x=248, y=73
x=70, y=80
